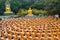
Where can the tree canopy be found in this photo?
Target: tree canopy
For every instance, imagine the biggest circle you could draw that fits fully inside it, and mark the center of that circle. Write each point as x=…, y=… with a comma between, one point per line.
x=52, y=6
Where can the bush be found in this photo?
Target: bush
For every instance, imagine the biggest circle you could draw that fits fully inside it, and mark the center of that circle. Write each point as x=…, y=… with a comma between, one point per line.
x=22, y=12
x=37, y=12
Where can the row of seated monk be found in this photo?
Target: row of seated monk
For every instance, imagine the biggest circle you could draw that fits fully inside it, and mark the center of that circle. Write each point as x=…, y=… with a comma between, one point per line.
x=30, y=29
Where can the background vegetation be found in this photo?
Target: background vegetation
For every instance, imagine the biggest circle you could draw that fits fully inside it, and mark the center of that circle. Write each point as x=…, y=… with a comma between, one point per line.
x=39, y=6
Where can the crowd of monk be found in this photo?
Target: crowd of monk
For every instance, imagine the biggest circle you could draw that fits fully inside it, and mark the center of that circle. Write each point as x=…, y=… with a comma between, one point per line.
x=30, y=29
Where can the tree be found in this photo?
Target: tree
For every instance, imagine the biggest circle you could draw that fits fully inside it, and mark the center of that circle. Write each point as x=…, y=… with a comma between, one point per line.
x=52, y=6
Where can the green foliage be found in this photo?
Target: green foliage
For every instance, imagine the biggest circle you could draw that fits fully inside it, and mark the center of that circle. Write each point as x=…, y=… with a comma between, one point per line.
x=37, y=12
x=22, y=12
x=2, y=7
x=52, y=6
